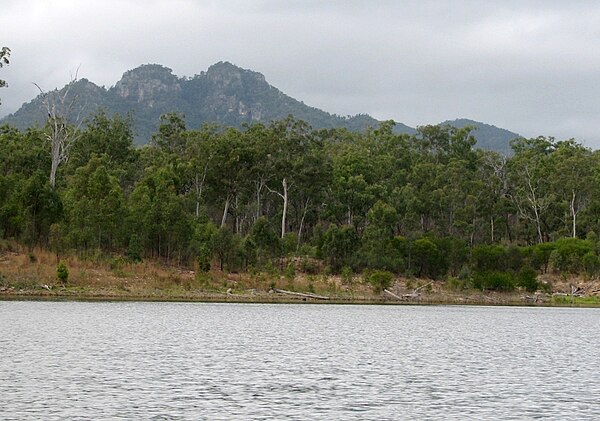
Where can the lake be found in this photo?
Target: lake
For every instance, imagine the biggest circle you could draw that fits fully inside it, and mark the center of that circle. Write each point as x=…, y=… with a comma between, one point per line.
x=180, y=361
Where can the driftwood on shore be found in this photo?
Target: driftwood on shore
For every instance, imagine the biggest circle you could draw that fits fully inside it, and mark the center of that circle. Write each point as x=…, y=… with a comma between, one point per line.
x=392, y=294
x=301, y=294
x=412, y=295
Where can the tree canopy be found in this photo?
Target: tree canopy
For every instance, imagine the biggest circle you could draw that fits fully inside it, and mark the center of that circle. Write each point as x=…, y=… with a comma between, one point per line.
x=427, y=204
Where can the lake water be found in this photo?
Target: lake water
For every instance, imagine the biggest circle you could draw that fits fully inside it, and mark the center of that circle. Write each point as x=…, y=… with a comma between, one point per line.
x=180, y=361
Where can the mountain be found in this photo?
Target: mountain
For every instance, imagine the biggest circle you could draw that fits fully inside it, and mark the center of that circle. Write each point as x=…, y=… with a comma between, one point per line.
x=225, y=94
x=488, y=136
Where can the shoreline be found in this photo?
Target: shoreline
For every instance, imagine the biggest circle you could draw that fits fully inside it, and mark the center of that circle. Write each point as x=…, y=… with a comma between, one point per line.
x=268, y=298
x=33, y=276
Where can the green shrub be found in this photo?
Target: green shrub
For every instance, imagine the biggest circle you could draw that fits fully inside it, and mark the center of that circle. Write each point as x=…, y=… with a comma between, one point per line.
x=289, y=243
x=62, y=273
x=458, y=284
x=347, y=275
x=591, y=263
x=568, y=254
x=135, y=249
x=486, y=258
x=308, y=265
x=203, y=259
x=380, y=280
x=540, y=255
x=427, y=258
x=290, y=272
x=527, y=279
x=495, y=281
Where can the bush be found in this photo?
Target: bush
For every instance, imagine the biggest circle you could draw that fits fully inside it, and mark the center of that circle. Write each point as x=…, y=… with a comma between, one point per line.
x=347, y=275
x=528, y=279
x=380, y=280
x=203, y=259
x=290, y=271
x=496, y=281
x=309, y=265
x=458, y=284
x=591, y=263
x=289, y=243
x=540, y=255
x=568, y=254
x=488, y=258
x=427, y=258
x=62, y=273
x=135, y=249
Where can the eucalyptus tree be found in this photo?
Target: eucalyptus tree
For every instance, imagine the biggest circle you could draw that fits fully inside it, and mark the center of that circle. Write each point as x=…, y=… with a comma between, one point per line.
x=95, y=206
x=229, y=173
x=199, y=153
x=530, y=177
x=573, y=178
x=291, y=142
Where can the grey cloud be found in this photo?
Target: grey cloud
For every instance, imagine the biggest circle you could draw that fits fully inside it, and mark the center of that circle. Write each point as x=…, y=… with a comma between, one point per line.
x=529, y=66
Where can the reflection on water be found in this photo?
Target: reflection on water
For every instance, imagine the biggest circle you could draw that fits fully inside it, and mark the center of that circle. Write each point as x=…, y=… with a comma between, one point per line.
x=70, y=360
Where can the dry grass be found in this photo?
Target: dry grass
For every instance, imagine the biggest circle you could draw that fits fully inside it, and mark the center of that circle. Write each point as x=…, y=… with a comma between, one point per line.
x=25, y=273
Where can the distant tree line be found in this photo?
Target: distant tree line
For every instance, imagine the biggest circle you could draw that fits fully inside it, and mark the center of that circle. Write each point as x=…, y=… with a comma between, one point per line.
x=428, y=204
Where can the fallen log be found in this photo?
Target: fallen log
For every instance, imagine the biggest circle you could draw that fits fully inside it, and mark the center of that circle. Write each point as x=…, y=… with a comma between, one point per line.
x=392, y=294
x=421, y=287
x=301, y=294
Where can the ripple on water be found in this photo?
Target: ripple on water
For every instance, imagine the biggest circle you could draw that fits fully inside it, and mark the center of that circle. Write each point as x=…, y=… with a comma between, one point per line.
x=234, y=361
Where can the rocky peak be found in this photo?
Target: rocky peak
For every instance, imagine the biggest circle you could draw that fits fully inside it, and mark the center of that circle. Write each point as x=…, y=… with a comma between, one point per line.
x=146, y=83
x=226, y=74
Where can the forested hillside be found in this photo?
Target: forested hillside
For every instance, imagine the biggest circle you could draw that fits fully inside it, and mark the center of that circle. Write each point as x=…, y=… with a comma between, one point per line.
x=428, y=205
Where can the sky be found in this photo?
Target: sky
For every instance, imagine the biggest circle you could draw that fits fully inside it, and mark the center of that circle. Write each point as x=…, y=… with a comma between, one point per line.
x=532, y=67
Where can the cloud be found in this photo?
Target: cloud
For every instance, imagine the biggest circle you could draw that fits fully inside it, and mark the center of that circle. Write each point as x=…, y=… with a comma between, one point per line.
x=529, y=66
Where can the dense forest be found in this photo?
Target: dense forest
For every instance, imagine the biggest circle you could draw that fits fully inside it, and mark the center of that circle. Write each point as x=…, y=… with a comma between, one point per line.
x=427, y=205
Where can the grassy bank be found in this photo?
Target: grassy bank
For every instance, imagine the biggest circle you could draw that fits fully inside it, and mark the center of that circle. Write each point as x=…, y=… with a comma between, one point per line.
x=33, y=275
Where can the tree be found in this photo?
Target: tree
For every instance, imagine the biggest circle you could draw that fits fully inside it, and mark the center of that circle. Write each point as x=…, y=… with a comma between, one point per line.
x=4, y=55
x=574, y=177
x=95, y=206
x=60, y=106
x=530, y=179
x=291, y=139
x=104, y=135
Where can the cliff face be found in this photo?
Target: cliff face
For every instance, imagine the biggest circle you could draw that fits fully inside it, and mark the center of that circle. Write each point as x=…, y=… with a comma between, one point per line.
x=147, y=84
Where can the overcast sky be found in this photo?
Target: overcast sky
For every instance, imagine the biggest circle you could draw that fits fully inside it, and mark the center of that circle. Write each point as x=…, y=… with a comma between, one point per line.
x=532, y=67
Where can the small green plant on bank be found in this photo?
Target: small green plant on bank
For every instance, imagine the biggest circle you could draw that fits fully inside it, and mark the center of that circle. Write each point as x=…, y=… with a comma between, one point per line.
x=135, y=249
x=380, y=280
x=347, y=275
x=458, y=284
x=62, y=273
x=290, y=272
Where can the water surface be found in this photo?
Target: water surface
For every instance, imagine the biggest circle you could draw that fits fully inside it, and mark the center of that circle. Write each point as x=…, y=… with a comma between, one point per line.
x=132, y=360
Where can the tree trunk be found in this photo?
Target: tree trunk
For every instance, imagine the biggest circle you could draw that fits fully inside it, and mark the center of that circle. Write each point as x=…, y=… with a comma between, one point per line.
x=198, y=193
x=55, y=161
x=302, y=223
x=225, y=210
x=574, y=215
x=259, y=186
x=285, y=205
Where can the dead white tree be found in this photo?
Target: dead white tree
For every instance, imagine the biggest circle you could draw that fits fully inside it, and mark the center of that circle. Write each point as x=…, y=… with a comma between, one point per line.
x=64, y=122
x=284, y=196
